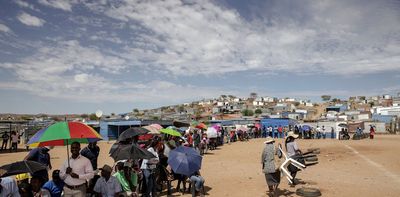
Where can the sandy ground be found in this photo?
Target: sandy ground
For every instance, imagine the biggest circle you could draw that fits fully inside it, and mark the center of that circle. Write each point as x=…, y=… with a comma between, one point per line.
x=346, y=168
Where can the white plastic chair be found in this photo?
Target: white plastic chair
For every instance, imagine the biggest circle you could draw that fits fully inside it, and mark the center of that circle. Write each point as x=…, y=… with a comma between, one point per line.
x=287, y=162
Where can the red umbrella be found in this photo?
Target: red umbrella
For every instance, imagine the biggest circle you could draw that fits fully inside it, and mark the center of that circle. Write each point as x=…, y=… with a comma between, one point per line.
x=145, y=137
x=201, y=126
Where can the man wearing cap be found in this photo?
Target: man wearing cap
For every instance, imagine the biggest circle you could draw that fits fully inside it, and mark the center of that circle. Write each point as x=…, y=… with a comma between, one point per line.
x=127, y=179
x=75, y=172
x=107, y=185
x=41, y=155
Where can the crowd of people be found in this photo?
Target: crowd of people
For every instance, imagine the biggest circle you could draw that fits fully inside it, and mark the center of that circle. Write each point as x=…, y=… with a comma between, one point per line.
x=80, y=176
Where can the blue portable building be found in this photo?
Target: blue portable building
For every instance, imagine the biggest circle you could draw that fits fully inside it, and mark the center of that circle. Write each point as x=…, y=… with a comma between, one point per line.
x=285, y=122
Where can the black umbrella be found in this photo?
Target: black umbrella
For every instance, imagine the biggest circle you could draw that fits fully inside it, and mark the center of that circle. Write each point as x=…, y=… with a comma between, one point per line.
x=129, y=151
x=132, y=132
x=20, y=167
x=342, y=125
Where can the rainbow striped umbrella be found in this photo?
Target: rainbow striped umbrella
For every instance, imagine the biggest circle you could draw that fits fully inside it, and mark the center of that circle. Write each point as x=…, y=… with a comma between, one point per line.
x=64, y=133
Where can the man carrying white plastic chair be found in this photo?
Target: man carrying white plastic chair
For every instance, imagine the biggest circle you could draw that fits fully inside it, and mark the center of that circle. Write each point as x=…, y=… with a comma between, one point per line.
x=291, y=164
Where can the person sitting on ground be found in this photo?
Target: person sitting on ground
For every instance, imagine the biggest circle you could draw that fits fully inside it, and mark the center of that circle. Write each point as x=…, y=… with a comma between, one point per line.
x=197, y=180
x=56, y=185
x=270, y=165
x=107, y=185
x=38, y=191
x=127, y=179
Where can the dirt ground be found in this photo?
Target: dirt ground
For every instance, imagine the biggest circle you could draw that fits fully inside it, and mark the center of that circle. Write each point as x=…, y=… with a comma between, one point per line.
x=346, y=168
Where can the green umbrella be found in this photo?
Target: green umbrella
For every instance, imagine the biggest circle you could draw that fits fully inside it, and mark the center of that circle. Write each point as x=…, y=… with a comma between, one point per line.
x=170, y=131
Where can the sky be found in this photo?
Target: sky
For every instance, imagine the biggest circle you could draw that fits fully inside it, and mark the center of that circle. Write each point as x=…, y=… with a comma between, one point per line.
x=79, y=56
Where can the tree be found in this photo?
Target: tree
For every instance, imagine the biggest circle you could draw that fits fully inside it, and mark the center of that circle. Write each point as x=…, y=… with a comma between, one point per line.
x=361, y=98
x=253, y=95
x=247, y=112
x=181, y=108
x=326, y=97
x=84, y=116
x=136, y=110
x=296, y=103
x=371, y=103
x=92, y=116
x=231, y=96
x=258, y=111
x=335, y=100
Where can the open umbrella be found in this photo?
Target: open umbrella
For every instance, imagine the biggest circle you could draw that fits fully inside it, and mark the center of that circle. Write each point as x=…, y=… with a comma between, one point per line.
x=157, y=126
x=216, y=127
x=21, y=167
x=129, y=151
x=241, y=128
x=184, y=160
x=132, y=132
x=306, y=128
x=170, y=131
x=212, y=132
x=64, y=133
x=145, y=137
x=153, y=130
x=201, y=126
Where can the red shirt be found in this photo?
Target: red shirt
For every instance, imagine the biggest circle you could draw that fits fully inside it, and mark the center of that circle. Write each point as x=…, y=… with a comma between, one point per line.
x=190, y=139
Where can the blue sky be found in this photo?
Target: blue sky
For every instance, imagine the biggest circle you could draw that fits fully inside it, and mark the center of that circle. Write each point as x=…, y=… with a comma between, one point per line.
x=71, y=56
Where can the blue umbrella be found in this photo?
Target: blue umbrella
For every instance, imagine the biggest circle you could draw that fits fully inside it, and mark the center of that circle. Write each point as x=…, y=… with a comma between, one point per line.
x=184, y=160
x=306, y=128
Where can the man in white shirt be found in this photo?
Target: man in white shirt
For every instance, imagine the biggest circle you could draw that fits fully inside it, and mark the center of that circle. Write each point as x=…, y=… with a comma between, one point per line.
x=147, y=167
x=8, y=187
x=14, y=141
x=107, y=185
x=76, y=173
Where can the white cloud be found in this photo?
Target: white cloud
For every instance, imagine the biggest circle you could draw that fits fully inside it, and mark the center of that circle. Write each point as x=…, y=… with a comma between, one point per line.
x=30, y=20
x=81, y=78
x=65, y=5
x=25, y=4
x=4, y=28
x=51, y=70
x=327, y=37
x=173, y=38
